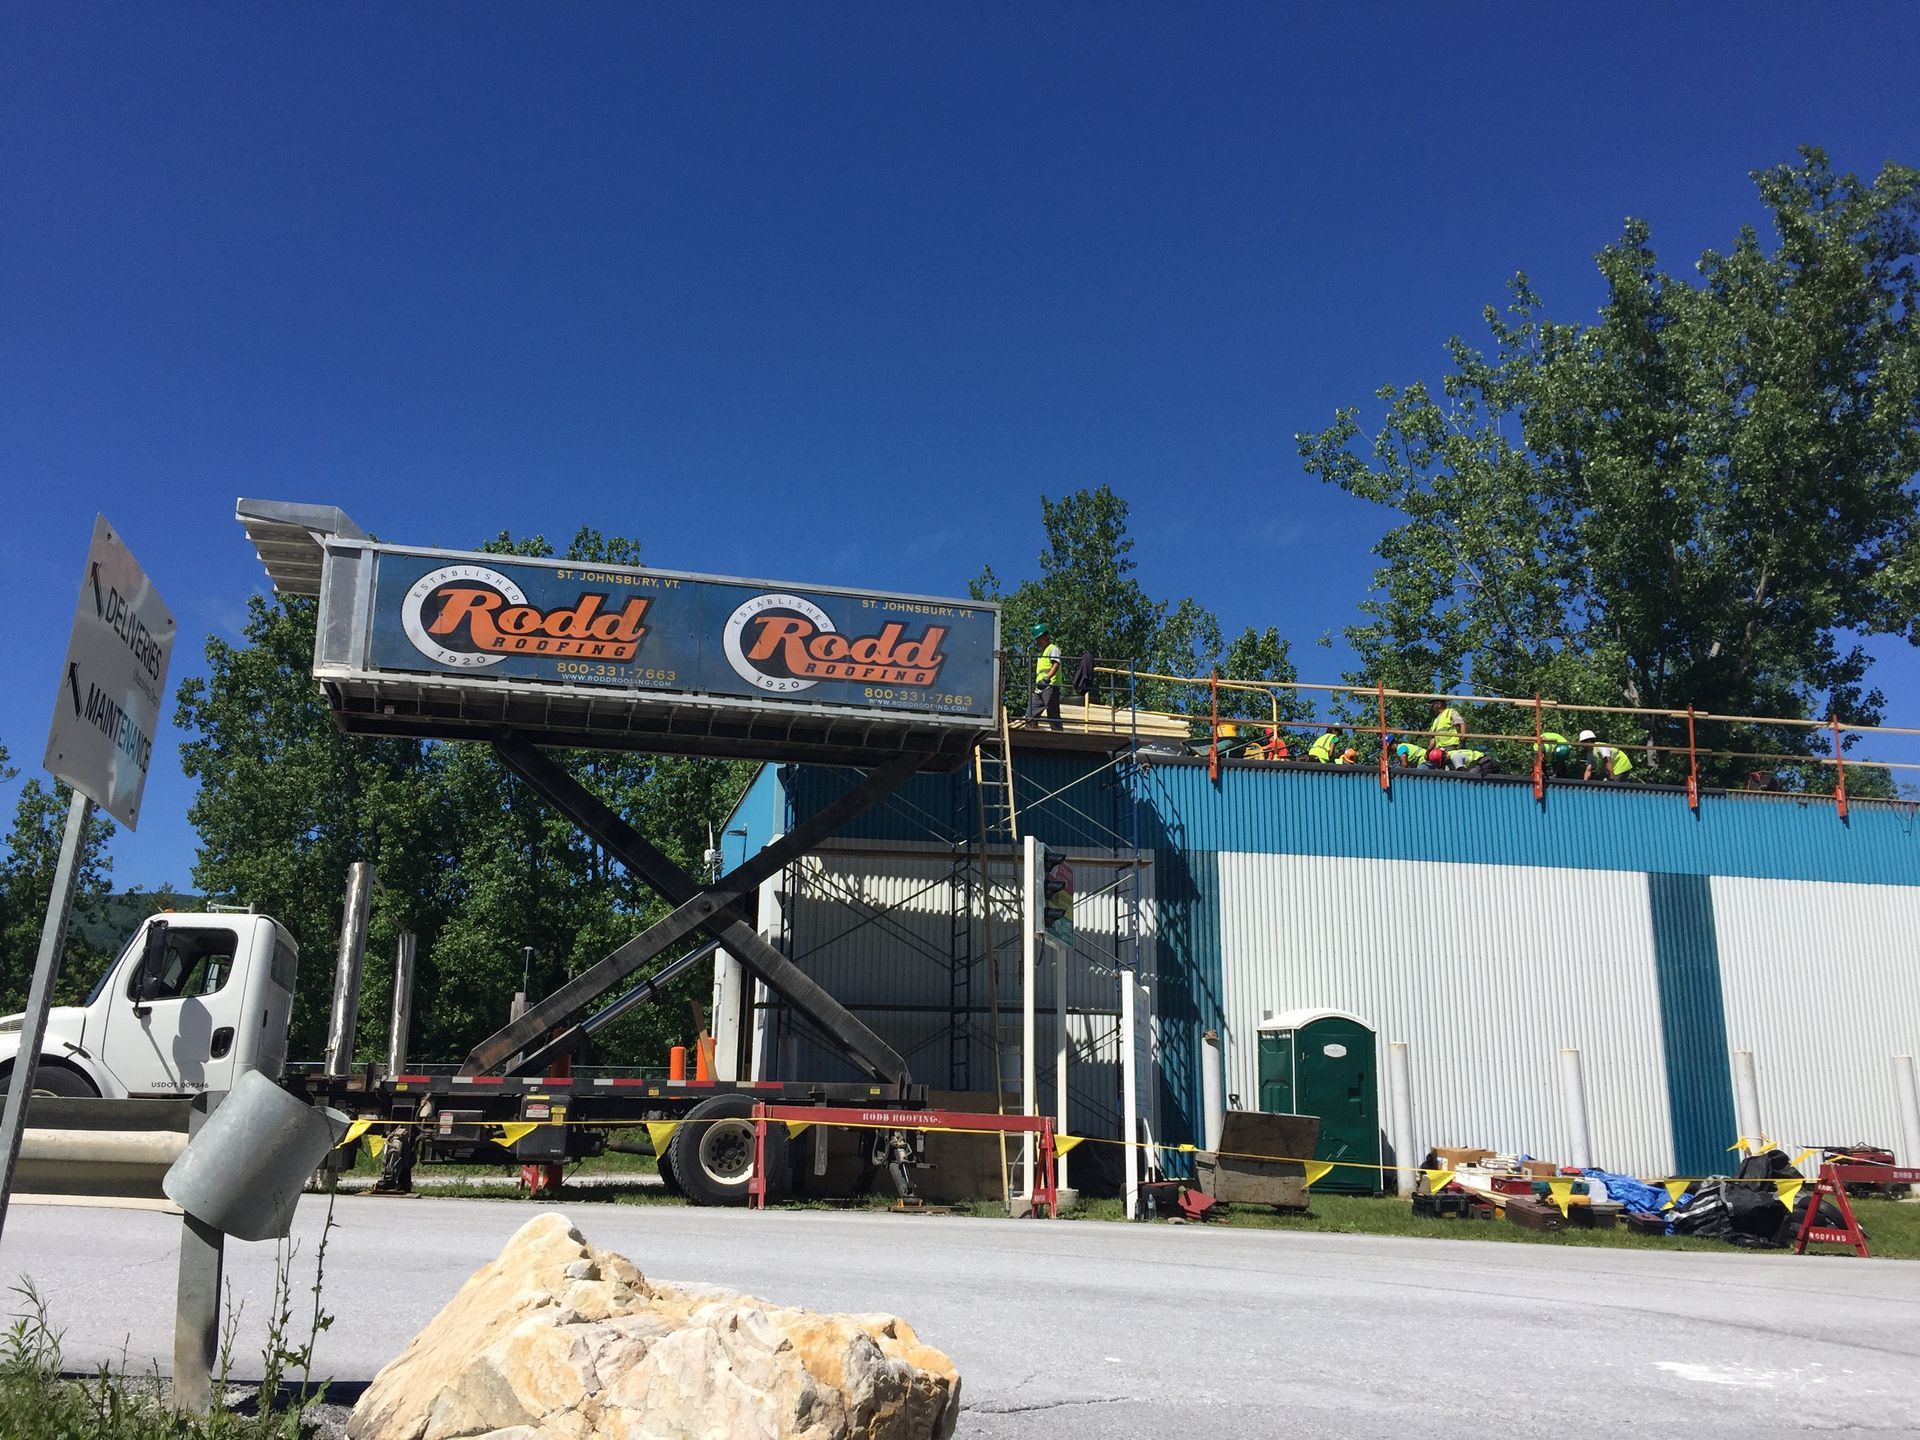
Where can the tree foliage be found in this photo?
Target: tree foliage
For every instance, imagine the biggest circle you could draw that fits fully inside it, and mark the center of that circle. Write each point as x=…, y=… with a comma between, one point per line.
x=26, y=883
x=1706, y=496
x=1088, y=595
x=466, y=857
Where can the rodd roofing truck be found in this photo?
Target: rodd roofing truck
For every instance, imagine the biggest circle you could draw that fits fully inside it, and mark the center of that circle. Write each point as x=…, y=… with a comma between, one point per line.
x=522, y=654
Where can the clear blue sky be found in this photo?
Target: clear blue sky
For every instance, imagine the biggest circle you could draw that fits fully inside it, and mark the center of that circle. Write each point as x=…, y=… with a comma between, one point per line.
x=826, y=292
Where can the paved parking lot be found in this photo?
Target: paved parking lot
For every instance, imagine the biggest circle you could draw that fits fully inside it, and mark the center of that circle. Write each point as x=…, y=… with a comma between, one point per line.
x=1088, y=1329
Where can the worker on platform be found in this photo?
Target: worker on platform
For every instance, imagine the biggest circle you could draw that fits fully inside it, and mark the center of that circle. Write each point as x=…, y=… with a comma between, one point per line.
x=1409, y=755
x=1276, y=747
x=1348, y=756
x=1556, y=754
x=1325, y=747
x=1046, y=678
x=1448, y=727
x=1463, y=760
x=1604, y=762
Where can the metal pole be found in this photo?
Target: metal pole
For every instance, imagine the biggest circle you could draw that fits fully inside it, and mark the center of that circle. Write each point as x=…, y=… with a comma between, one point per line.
x=196, y=1305
x=402, y=1005
x=1746, y=1099
x=345, y=1019
x=1060, y=1055
x=1212, y=1103
x=1907, y=1093
x=46, y=969
x=1400, y=1107
x=1031, y=906
x=1573, y=1096
x=1129, y=1097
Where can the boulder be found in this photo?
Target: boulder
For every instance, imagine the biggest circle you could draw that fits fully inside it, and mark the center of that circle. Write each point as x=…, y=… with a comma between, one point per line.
x=556, y=1340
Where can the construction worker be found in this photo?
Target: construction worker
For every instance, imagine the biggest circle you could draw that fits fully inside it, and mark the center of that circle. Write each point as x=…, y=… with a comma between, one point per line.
x=1276, y=747
x=1046, y=678
x=1609, y=761
x=1323, y=748
x=1473, y=762
x=1556, y=754
x=1447, y=729
x=1348, y=756
x=1408, y=754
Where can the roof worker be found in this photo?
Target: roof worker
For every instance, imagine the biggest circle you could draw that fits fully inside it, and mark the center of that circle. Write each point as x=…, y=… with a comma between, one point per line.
x=1276, y=747
x=1472, y=762
x=1408, y=754
x=1046, y=678
x=1609, y=760
x=1448, y=727
x=1556, y=754
x=1322, y=748
x=1348, y=756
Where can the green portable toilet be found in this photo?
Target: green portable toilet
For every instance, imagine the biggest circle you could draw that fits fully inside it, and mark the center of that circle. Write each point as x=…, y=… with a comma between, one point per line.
x=1325, y=1063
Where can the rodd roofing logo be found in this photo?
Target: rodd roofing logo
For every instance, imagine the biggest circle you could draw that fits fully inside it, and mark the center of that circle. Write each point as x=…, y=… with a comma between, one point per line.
x=468, y=617
x=786, y=643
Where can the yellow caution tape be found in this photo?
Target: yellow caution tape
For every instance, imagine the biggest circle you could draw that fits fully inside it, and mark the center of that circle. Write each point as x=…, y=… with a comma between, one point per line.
x=514, y=1131
x=1801, y=1158
x=375, y=1144
x=1318, y=1171
x=1063, y=1144
x=1788, y=1191
x=1561, y=1192
x=794, y=1127
x=1740, y=1144
x=1438, y=1180
x=354, y=1131
x=1675, y=1189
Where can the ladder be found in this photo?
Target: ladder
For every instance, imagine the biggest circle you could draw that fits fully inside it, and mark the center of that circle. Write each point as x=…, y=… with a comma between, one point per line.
x=997, y=812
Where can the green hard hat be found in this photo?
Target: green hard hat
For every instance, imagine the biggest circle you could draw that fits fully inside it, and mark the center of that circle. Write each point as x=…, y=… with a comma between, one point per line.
x=1040, y=629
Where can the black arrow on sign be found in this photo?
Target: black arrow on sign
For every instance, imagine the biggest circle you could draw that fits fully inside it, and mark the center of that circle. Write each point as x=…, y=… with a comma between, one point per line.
x=73, y=684
x=93, y=574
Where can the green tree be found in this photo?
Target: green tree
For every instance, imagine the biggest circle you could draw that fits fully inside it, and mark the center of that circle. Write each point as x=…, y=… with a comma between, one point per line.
x=1086, y=592
x=26, y=882
x=1704, y=497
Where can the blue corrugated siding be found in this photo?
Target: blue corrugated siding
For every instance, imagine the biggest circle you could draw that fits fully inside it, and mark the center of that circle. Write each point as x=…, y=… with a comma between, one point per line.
x=1186, y=896
x=1693, y=1021
x=1270, y=810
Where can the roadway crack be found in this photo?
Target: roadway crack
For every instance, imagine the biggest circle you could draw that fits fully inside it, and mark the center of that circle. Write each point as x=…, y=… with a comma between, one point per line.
x=1047, y=1405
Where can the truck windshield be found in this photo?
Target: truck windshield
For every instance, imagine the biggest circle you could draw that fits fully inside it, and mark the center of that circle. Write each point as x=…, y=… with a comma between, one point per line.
x=100, y=985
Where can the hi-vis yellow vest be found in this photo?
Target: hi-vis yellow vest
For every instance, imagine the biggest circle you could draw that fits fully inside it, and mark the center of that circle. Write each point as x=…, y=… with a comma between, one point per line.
x=1619, y=764
x=1047, y=668
x=1447, y=728
x=1322, y=749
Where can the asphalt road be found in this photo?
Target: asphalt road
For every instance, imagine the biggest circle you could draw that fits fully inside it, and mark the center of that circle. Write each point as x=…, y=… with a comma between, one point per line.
x=1088, y=1329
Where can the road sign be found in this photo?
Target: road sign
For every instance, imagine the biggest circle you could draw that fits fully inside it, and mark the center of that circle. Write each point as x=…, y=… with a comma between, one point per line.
x=113, y=681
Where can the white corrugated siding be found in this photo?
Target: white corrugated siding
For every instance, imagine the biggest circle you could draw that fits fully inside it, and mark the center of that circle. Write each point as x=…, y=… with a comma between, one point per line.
x=1486, y=971
x=1822, y=983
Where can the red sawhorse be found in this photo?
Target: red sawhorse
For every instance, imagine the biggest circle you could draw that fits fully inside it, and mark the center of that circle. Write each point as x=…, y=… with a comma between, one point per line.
x=1833, y=1183
x=1046, y=1189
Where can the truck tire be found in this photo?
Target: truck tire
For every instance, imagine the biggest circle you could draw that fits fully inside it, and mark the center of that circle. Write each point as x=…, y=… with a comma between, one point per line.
x=55, y=1079
x=667, y=1177
x=711, y=1154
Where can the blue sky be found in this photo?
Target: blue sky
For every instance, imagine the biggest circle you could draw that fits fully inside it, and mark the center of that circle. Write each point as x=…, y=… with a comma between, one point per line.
x=829, y=293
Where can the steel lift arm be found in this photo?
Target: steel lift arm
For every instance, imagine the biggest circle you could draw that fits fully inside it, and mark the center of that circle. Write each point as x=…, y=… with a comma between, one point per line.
x=707, y=908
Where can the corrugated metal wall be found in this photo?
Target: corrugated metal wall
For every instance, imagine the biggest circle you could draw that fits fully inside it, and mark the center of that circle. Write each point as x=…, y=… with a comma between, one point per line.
x=1486, y=971
x=1485, y=928
x=1822, y=984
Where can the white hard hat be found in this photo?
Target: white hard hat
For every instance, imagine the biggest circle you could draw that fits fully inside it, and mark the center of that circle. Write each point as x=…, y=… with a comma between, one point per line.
x=1586, y=735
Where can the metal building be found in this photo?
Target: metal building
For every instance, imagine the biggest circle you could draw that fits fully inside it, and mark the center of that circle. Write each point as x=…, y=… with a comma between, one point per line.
x=1483, y=926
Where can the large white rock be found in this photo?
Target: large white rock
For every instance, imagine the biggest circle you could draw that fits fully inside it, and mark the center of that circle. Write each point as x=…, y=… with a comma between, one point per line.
x=555, y=1340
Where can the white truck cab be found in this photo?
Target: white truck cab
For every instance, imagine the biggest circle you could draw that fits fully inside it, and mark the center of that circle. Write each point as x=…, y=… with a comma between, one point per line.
x=192, y=1003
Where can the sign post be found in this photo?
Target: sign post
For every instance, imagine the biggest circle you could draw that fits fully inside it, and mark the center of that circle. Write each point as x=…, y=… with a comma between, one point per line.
x=105, y=715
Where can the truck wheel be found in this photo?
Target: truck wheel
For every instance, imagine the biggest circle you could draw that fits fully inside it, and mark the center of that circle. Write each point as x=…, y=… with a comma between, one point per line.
x=667, y=1177
x=712, y=1153
x=58, y=1080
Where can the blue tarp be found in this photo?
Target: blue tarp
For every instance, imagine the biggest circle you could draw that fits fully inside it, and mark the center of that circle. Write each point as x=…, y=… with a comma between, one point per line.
x=1632, y=1193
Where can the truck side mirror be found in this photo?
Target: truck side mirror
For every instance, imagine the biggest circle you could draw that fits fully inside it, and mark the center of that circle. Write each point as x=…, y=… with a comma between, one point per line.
x=153, y=962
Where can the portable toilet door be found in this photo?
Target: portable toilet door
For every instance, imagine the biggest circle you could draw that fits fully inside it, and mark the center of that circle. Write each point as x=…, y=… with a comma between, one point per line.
x=1325, y=1063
